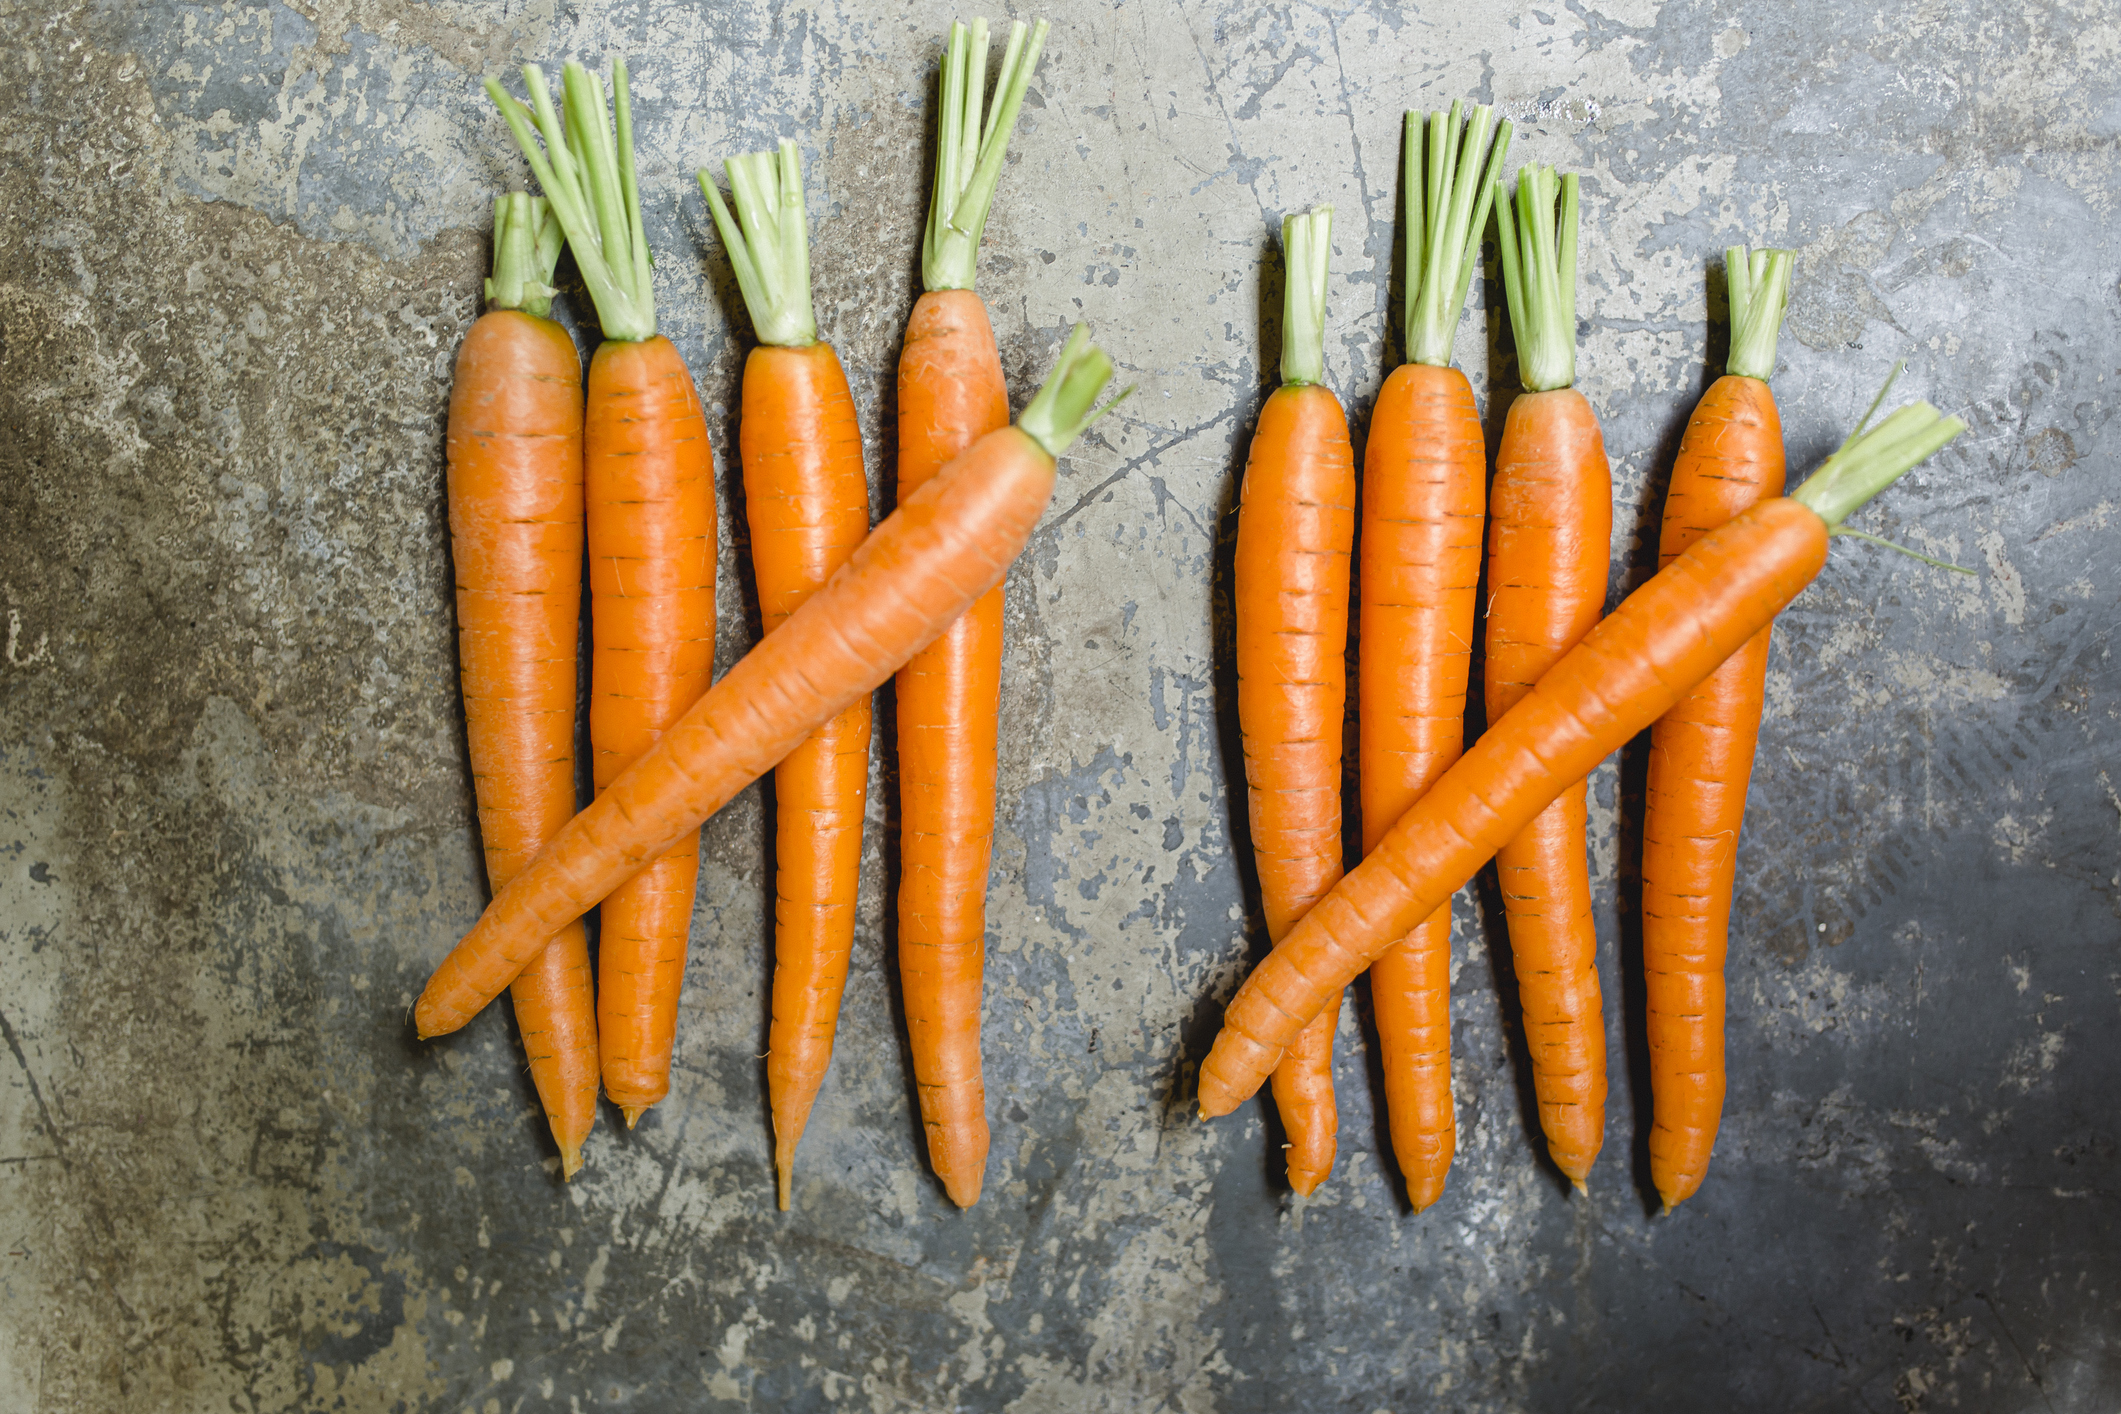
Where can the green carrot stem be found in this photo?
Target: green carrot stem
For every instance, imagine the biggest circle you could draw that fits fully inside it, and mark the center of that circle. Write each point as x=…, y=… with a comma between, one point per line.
x=1306, y=247
x=1539, y=275
x=1760, y=292
x=1874, y=459
x=526, y=248
x=1061, y=409
x=589, y=181
x=768, y=242
x=969, y=152
x=1448, y=189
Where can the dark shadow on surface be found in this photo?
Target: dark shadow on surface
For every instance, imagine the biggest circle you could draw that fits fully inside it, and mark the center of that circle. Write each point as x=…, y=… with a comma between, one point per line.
x=1197, y=1033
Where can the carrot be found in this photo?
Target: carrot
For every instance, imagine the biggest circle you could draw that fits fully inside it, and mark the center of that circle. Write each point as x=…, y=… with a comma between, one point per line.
x=1701, y=752
x=1295, y=533
x=807, y=498
x=1631, y=669
x=1423, y=500
x=950, y=394
x=944, y=546
x=515, y=529
x=648, y=479
x=1549, y=536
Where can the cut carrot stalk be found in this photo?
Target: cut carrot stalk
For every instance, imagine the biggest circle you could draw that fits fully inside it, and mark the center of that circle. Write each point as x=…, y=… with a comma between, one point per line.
x=1423, y=502
x=1295, y=533
x=1636, y=665
x=1701, y=752
x=945, y=545
x=1550, y=531
x=950, y=394
x=807, y=499
x=515, y=530
x=648, y=478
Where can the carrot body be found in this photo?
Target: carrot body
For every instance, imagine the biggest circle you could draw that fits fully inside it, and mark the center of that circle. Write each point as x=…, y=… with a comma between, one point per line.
x=1628, y=671
x=1424, y=474
x=1549, y=541
x=515, y=529
x=950, y=394
x=944, y=546
x=649, y=479
x=1701, y=759
x=1295, y=534
x=807, y=500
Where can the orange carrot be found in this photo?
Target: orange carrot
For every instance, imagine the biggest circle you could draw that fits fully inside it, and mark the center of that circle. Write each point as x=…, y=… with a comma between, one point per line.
x=1627, y=672
x=515, y=530
x=1424, y=475
x=1295, y=532
x=950, y=394
x=807, y=499
x=1549, y=535
x=1701, y=752
x=944, y=546
x=649, y=486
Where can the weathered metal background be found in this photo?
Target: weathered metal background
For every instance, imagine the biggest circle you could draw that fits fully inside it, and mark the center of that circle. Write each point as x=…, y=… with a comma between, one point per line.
x=241, y=244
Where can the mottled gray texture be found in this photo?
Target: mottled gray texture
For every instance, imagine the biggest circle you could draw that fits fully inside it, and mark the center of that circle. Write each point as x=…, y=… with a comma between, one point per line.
x=241, y=245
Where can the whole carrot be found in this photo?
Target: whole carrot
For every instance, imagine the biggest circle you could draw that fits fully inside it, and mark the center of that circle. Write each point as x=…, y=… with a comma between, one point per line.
x=1701, y=752
x=1549, y=539
x=1627, y=672
x=1295, y=533
x=950, y=394
x=947, y=544
x=648, y=482
x=1423, y=499
x=807, y=498
x=515, y=530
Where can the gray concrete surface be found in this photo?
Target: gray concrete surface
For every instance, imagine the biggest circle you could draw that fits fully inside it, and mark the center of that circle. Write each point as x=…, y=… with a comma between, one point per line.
x=241, y=244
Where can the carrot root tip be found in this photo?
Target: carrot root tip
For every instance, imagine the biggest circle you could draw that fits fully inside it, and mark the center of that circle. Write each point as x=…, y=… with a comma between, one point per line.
x=1581, y=1187
x=633, y=1113
x=570, y=1161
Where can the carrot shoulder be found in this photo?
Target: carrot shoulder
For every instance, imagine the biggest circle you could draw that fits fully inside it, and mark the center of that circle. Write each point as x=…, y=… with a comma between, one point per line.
x=1295, y=534
x=1423, y=489
x=1701, y=752
x=951, y=393
x=940, y=550
x=1628, y=671
x=515, y=528
x=806, y=497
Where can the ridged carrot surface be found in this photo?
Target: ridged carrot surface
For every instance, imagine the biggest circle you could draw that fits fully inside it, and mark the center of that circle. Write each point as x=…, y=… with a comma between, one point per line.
x=950, y=394
x=1550, y=531
x=1424, y=494
x=1627, y=672
x=515, y=528
x=1701, y=760
x=806, y=498
x=945, y=545
x=649, y=484
x=1295, y=535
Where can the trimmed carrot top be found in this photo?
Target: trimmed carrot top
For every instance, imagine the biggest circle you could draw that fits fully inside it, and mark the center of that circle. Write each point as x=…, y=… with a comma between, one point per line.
x=1447, y=192
x=968, y=157
x=1306, y=247
x=589, y=180
x=1060, y=411
x=1869, y=461
x=1760, y=291
x=769, y=242
x=1539, y=276
x=526, y=247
